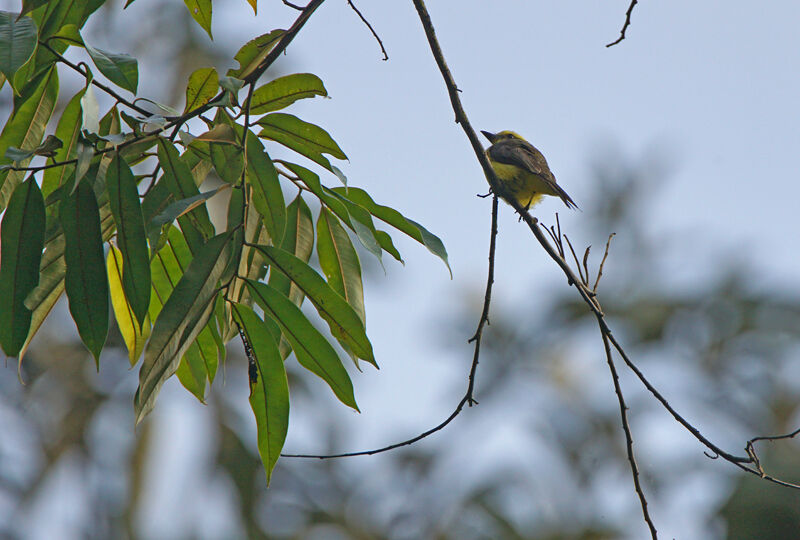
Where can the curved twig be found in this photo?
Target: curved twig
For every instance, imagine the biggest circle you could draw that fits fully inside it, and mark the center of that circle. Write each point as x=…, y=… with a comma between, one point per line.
x=468, y=398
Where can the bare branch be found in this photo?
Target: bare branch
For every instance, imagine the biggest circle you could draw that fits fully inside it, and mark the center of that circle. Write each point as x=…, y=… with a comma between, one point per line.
x=623, y=412
x=625, y=25
x=468, y=398
x=374, y=33
x=602, y=263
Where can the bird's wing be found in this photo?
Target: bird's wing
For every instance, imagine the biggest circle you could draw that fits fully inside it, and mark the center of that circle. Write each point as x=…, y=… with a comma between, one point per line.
x=524, y=155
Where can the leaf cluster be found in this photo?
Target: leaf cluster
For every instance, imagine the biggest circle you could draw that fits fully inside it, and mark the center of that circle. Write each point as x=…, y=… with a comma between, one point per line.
x=115, y=217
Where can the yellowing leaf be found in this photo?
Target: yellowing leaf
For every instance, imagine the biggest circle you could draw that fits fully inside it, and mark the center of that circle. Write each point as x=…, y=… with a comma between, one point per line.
x=134, y=335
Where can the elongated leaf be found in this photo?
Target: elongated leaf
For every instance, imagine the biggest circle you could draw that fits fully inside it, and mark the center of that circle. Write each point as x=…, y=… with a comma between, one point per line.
x=220, y=133
x=178, y=208
x=267, y=194
x=30, y=5
x=311, y=348
x=344, y=322
x=121, y=69
x=387, y=245
x=22, y=243
x=133, y=334
x=192, y=373
x=201, y=12
x=228, y=161
x=17, y=42
x=297, y=240
x=131, y=239
x=202, y=87
x=283, y=91
x=200, y=360
x=269, y=388
x=307, y=139
x=196, y=225
x=86, y=281
x=360, y=222
x=339, y=261
x=398, y=221
x=183, y=317
x=354, y=216
x=53, y=270
x=253, y=52
x=26, y=126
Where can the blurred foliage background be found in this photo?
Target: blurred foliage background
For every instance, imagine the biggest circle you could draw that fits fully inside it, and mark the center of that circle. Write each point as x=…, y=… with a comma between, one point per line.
x=721, y=350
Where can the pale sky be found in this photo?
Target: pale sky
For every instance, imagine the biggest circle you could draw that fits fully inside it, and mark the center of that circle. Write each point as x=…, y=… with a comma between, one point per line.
x=711, y=86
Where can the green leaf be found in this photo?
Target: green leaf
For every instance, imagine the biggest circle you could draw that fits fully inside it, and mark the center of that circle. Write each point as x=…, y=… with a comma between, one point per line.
x=220, y=133
x=133, y=334
x=346, y=210
x=202, y=88
x=86, y=281
x=344, y=322
x=267, y=194
x=131, y=239
x=49, y=147
x=183, y=317
x=387, y=245
x=253, y=53
x=183, y=206
x=297, y=240
x=18, y=155
x=232, y=85
x=200, y=360
x=269, y=388
x=398, y=221
x=311, y=348
x=284, y=91
x=26, y=126
x=119, y=68
x=22, y=243
x=30, y=5
x=68, y=130
x=69, y=34
x=307, y=139
x=17, y=42
x=196, y=224
x=361, y=223
x=339, y=261
x=201, y=13
x=228, y=159
x=192, y=374
x=53, y=268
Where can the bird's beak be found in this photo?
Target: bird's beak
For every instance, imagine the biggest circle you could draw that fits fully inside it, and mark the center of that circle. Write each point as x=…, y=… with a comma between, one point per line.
x=490, y=136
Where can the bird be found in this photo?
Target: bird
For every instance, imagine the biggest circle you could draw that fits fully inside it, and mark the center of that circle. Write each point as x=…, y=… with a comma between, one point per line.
x=522, y=170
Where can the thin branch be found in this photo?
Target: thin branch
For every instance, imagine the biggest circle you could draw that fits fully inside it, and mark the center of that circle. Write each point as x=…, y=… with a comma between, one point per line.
x=285, y=40
x=467, y=399
x=108, y=90
x=293, y=6
x=374, y=33
x=626, y=428
x=586, y=294
x=625, y=25
x=602, y=263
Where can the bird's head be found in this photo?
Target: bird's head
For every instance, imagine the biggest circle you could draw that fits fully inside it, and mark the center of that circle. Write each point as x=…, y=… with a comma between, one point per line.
x=502, y=135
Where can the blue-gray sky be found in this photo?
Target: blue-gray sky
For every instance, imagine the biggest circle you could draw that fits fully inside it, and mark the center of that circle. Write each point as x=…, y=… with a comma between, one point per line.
x=709, y=86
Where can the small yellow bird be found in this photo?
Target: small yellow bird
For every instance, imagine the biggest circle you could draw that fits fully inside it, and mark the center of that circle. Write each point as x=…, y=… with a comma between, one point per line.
x=522, y=169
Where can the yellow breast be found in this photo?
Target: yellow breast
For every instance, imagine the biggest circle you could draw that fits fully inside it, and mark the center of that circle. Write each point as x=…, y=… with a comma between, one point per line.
x=526, y=187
